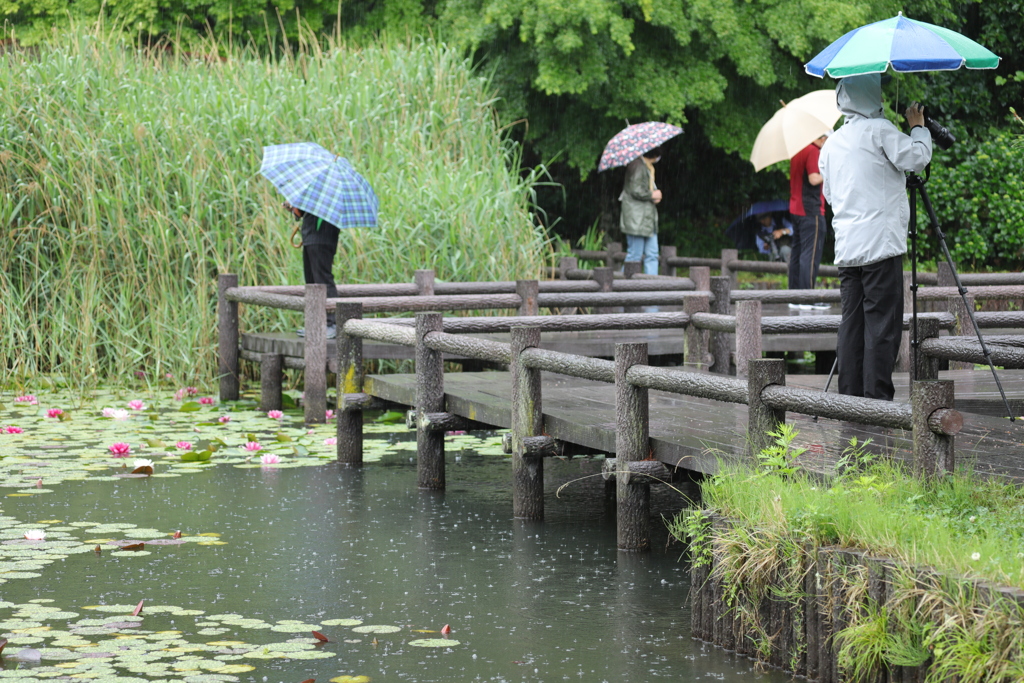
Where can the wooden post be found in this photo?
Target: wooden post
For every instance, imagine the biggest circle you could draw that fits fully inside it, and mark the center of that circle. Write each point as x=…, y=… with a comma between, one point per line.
x=697, y=353
x=609, y=256
x=963, y=327
x=663, y=267
x=629, y=269
x=631, y=444
x=727, y=256
x=350, y=381
x=933, y=453
x=604, y=278
x=527, y=291
x=721, y=349
x=429, y=399
x=527, y=421
x=565, y=264
x=748, y=334
x=903, y=359
x=761, y=418
x=271, y=367
x=424, y=280
x=925, y=367
x=315, y=345
x=701, y=276
x=227, y=339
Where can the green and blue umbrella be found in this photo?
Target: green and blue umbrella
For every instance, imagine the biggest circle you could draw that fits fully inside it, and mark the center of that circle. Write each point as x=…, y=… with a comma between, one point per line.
x=321, y=183
x=904, y=44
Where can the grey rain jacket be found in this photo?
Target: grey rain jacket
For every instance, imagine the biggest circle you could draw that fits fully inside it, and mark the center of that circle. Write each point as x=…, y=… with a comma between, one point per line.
x=863, y=166
x=639, y=215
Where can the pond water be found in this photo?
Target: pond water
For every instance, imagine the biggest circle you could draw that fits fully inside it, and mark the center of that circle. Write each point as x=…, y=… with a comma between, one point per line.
x=359, y=555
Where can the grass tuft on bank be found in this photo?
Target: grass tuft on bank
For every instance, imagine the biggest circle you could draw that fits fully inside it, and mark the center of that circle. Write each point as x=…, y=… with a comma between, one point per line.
x=962, y=524
x=130, y=180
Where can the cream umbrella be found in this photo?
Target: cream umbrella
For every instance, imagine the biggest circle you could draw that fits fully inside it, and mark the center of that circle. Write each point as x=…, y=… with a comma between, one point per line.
x=795, y=126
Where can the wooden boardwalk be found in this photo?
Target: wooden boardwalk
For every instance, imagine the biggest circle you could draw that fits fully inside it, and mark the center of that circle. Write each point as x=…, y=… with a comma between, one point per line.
x=694, y=433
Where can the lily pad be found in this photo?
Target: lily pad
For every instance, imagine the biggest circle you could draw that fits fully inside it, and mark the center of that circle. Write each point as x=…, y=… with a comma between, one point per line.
x=377, y=629
x=433, y=642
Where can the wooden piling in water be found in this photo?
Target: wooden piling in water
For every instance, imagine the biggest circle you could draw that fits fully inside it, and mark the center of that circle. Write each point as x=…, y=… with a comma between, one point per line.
x=227, y=339
x=429, y=399
x=349, y=349
x=315, y=347
x=632, y=443
x=527, y=421
x=271, y=374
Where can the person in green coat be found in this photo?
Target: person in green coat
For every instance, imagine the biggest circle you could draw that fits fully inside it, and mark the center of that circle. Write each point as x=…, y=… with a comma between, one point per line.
x=638, y=219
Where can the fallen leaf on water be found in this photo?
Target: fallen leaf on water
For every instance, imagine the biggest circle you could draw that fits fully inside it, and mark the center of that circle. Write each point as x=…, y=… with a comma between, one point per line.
x=138, y=609
x=446, y=629
x=309, y=680
x=321, y=637
x=145, y=469
x=133, y=546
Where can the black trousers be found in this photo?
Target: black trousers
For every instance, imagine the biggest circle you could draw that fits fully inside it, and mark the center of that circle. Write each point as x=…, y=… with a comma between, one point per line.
x=871, y=328
x=317, y=267
x=807, y=244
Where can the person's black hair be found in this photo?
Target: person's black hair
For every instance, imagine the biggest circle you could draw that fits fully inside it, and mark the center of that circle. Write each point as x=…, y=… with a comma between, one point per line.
x=654, y=153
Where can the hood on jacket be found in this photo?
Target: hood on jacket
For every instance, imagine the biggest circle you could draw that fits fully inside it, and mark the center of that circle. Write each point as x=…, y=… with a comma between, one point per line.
x=860, y=96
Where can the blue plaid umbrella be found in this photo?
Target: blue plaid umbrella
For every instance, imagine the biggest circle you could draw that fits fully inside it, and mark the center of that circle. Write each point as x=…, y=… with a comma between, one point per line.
x=321, y=183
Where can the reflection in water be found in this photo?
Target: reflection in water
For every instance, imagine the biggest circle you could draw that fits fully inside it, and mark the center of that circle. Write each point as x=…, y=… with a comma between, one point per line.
x=527, y=601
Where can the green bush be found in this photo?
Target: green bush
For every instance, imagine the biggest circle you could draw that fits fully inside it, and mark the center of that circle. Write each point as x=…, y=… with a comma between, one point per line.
x=130, y=180
x=978, y=193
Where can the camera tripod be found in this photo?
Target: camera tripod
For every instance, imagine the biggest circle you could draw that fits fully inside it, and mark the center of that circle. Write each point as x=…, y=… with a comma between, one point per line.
x=915, y=184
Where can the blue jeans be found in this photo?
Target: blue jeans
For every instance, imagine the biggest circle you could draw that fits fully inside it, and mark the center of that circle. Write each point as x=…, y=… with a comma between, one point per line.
x=643, y=249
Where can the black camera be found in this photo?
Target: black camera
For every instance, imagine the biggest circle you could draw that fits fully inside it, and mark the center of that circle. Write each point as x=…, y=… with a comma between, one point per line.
x=940, y=134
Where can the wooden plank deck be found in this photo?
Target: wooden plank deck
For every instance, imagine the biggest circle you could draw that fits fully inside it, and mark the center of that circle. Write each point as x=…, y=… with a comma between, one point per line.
x=694, y=433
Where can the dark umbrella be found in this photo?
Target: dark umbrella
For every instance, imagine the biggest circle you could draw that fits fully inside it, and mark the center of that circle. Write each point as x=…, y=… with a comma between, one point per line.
x=744, y=229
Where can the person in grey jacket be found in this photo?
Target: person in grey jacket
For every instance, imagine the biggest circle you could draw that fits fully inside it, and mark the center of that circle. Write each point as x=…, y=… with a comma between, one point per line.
x=863, y=167
x=638, y=219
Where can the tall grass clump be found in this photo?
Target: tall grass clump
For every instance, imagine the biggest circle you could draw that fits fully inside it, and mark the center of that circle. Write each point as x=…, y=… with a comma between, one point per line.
x=130, y=180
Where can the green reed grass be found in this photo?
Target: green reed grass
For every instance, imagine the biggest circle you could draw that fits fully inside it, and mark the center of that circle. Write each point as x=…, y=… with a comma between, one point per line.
x=961, y=524
x=130, y=181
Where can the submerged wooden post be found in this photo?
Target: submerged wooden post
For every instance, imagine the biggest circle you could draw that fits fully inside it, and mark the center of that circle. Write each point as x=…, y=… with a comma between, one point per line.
x=271, y=368
x=748, y=334
x=424, y=280
x=698, y=354
x=528, y=291
x=933, y=453
x=963, y=327
x=761, y=418
x=227, y=339
x=665, y=254
x=631, y=444
x=701, y=276
x=350, y=381
x=315, y=345
x=429, y=399
x=925, y=367
x=903, y=359
x=527, y=421
x=727, y=256
x=720, y=347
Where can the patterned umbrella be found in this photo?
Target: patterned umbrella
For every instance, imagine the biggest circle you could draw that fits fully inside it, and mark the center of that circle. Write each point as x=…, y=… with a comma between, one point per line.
x=633, y=141
x=321, y=183
x=904, y=44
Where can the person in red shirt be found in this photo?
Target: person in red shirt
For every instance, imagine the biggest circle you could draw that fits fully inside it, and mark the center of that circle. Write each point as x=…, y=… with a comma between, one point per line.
x=807, y=206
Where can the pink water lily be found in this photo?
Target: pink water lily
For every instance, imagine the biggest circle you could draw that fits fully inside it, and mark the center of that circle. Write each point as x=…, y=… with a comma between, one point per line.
x=27, y=398
x=11, y=429
x=269, y=459
x=253, y=446
x=116, y=413
x=331, y=441
x=35, y=535
x=183, y=445
x=136, y=405
x=224, y=419
x=329, y=414
x=120, y=449
x=275, y=414
x=54, y=412
x=206, y=400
